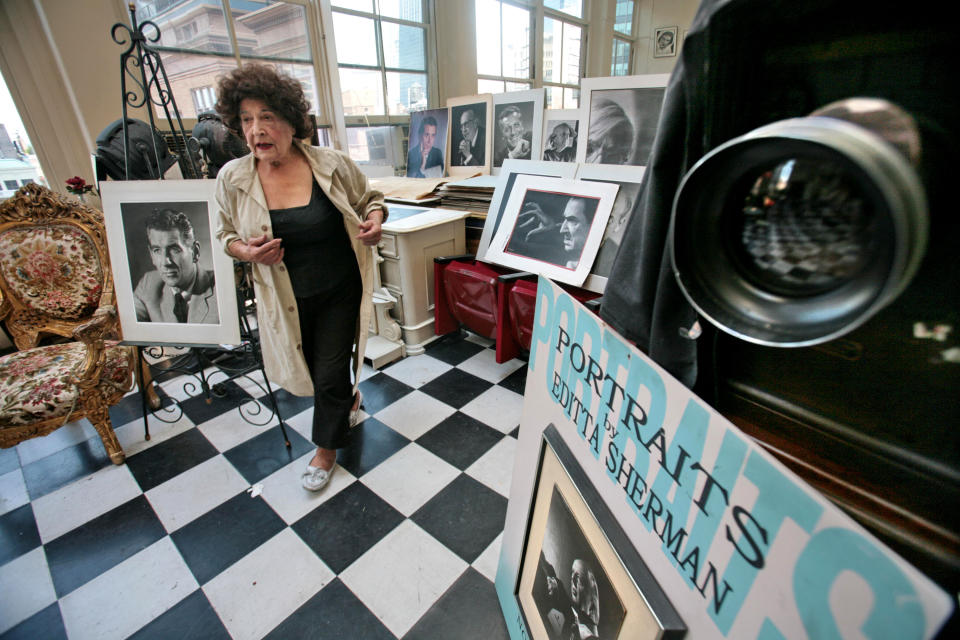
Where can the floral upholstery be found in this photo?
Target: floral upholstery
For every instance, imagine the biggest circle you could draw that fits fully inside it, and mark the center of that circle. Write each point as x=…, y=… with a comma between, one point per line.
x=37, y=384
x=52, y=269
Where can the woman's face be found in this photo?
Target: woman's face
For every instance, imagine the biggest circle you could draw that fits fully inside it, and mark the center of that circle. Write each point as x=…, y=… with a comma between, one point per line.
x=269, y=136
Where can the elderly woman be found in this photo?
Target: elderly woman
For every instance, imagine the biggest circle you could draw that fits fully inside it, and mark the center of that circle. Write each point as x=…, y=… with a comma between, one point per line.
x=305, y=217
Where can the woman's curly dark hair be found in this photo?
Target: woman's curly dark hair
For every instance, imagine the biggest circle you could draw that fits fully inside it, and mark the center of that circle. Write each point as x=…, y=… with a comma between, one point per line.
x=279, y=91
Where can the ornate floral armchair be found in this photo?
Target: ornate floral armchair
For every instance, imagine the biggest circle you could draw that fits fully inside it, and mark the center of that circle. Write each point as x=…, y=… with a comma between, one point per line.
x=55, y=280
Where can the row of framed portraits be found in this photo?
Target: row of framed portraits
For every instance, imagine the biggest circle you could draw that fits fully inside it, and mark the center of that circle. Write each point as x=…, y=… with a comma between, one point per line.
x=615, y=125
x=563, y=220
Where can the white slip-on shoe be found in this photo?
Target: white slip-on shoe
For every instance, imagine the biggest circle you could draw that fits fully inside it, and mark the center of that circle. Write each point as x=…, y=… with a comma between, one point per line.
x=315, y=478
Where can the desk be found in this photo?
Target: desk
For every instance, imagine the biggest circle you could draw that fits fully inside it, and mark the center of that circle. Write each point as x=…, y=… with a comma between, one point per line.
x=412, y=238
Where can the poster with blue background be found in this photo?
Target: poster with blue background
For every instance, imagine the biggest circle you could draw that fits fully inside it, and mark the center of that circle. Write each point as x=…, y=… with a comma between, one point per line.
x=740, y=545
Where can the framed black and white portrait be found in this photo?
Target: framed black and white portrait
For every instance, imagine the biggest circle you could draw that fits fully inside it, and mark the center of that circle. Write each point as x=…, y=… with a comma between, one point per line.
x=579, y=577
x=560, y=130
x=174, y=284
x=620, y=116
x=427, y=143
x=553, y=226
x=628, y=179
x=469, y=150
x=501, y=193
x=665, y=42
x=517, y=126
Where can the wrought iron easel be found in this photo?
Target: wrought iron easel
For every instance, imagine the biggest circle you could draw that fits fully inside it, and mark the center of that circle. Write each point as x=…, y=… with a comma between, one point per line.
x=148, y=90
x=144, y=67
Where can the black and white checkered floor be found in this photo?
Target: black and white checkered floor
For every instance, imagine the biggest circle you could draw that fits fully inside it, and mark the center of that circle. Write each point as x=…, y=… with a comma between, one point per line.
x=403, y=543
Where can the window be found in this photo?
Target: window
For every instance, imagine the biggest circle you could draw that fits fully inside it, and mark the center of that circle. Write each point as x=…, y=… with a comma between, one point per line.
x=381, y=57
x=506, y=28
x=563, y=40
x=11, y=184
x=204, y=98
x=624, y=39
x=504, y=44
x=198, y=43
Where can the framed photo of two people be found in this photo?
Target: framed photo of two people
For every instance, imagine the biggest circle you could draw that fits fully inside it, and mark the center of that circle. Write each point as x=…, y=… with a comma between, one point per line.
x=174, y=284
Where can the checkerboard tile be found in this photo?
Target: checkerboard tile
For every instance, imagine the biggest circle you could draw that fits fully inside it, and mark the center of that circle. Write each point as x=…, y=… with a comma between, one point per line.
x=205, y=532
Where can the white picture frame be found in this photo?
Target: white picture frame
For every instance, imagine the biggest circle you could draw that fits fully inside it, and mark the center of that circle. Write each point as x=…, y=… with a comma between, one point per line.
x=619, y=117
x=629, y=179
x=665, y=42
x=482, y=108
x=213, y=317
x=523, y=111
x=552, y=137
x=501, y=193
x=553, y=226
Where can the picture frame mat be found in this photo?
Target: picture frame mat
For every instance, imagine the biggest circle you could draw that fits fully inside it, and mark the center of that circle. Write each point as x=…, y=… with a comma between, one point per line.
x=115, y=194
x=505, y=179
x=649, y=615
x=590, y=85
x=459, y=101
x=604, y=192
x=608, y=173
x=537, y=97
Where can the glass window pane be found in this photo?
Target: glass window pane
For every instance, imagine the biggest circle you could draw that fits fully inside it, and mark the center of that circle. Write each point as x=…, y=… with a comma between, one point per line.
x=406, y=92
x=554, y=98
x=187, y=25
x=356, y=39
x=403, y=46
x=362, y=92
x=573, y=7
x=275, y=29
x=571, y=98
x=571, y=54
x=488, y=37
x=359, y=5
x=552, y=50
x=403, y=9
x=189, y=73
x=516, y=42
x=620, y=58
x=624, y=20
x=490, y=86
x=376, y=145
x=517, y=86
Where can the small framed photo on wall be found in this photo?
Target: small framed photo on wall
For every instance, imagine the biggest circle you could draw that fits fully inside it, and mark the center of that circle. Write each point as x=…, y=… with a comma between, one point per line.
x=665, y=42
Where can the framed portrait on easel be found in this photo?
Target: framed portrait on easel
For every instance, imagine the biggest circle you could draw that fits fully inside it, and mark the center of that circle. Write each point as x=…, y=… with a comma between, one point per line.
x=174, y=283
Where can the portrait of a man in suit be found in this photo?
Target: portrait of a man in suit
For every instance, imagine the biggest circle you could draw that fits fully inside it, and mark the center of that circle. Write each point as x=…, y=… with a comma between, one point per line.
x=177, y=289
x=471, y=142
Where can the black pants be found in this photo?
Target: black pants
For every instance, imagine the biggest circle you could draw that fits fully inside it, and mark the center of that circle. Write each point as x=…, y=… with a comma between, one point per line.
x=328, y=325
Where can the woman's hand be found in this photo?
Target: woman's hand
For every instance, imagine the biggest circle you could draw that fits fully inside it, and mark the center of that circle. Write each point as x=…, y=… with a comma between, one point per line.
x=259, y=249
x=370, y=230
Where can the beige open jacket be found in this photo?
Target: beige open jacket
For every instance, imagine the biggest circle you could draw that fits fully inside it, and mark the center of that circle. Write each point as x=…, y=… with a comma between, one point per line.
x=244, y=215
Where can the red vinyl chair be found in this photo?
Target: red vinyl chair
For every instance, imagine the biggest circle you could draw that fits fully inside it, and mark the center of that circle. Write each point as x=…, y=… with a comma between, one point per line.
x=491, y=301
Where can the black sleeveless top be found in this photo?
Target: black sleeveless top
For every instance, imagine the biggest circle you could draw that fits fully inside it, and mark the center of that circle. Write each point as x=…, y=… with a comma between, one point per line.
x=316, y=248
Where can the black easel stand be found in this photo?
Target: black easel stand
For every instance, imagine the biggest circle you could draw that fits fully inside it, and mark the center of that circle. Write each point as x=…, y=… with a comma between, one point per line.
x=230, y=364
x=150, y=88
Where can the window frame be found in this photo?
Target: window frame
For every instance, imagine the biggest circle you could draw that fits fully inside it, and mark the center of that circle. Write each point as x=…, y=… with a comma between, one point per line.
x=539, y=12
x=429, y=70
x=530, y=6
x=631, y=40
x=324, y=105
